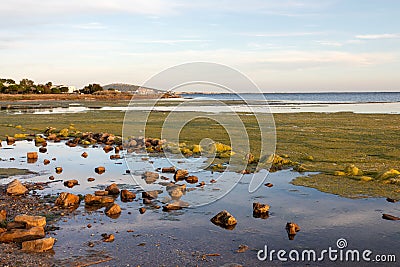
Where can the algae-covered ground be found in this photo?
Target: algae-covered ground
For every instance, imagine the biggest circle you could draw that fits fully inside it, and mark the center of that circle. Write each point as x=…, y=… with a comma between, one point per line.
x=320, y=142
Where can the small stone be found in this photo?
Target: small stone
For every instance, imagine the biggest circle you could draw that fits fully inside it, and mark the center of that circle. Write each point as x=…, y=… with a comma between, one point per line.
x=224, y=219
x=51, y=178
x=390, y=217
x=169, y=207
x=38, y=245
x=59, y=170
x=260, y=210
x=31, y=221
x=100, y=170
x=32, y=155
x=101, y=193
x=269, y=185
x=98, y=200
x=16, y=188
x=201, y=184
x=112, y=189
x=192, y=179
x=84, y=155
x=42, y=149
x=3, y=215
x=142, y=210
x=90, y=179
x=150, y=177
x=127, y=196
x=108, y=148
x=113, y=211
x=242, y=248
x=292, y=229
x=71, y=183
x=89, y=226
x=46, y=162
x=108, y=238
x=213, y=181
x=391, y=200
x=168, y=170
x=67, y=200
x=180, y=175
x=116, y=156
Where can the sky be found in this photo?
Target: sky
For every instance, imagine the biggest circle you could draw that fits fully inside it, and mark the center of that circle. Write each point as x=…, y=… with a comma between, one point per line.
x=283, y=46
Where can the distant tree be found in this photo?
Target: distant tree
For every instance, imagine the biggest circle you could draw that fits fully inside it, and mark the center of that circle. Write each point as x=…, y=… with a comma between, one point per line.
x=91, y=88
x=55, y=90
x=64, y=89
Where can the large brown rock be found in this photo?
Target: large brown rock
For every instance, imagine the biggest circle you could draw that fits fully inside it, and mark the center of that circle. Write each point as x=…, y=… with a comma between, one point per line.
x=224, y=219
x=260, y=210
x=113, y=211
x=127, y=195
x=150, y=177
x=67, y=200
x=31, y=221
x=16, y=188
x=192, y=179
x=20, y=235
x=180, y=175
x=38, y=245
x=71, y=183
x=98, y=200
x=112, y=189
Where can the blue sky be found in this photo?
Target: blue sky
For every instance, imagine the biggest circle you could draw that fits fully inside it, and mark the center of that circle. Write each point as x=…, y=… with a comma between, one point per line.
x=283, y=46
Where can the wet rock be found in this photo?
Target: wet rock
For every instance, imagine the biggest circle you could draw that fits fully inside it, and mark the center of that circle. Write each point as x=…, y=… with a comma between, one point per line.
x=127, y=196
x=147, y=201
x=201, y=184
x=150, y=177
x=176, y=191
x=10, y=140
x=213, y=181
x=38, y=245
x=292, y=229
x=390, y=217
x=100, y=170
x=67, y=200
x=46, y=162
x=108, y=237
x=16, y=188
x=91, y=179
x=20, y=235
x=150, y=194
x=192, y=179
x=59, y=170
x=108, y=148
x=242, y=248
x=168, y=170
x=31, y=221
x=113, y=211
x=260, y=210
x=250, y=158
x=16, y=225
x=172, y=206
x=3, y=215
x=51, y=178
x=269, y=185
x=112, y=189
x=392, y=173
x=32, y=155
x=71, y=183
x=84, y=155
x=391, y=200
x=225, y=220
x=142, y=210
x=101, y=193
x=98, y=200
x=180, y=175
x=127, y=171
x=352, y=170
x=42, y=149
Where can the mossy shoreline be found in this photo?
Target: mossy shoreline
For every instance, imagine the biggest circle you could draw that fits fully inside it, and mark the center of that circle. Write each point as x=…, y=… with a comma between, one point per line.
x=326, y=143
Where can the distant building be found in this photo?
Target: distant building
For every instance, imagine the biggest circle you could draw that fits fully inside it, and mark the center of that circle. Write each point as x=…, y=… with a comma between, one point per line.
x=145, y=91
x=69, y=89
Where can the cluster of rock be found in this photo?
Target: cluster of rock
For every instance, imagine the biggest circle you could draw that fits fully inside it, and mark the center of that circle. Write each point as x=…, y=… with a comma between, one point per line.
x=151, y=145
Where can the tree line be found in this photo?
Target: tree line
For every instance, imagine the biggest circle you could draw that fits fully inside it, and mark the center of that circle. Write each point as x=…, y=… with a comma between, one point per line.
x=27, y=86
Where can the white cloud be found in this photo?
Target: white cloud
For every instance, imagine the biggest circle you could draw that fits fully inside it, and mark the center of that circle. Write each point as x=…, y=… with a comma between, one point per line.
x=379, y=36
x=91, y=26
x=172, y=41
x=282, y=34
x=330, y=43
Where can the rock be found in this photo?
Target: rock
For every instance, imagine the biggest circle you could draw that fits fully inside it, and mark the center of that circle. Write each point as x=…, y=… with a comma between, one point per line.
x=150, y=194
x=108, y=148
x=201, y=184
x=84, y=155
x=42, y=149
x=51, y=178
x=3, y=230
x=260, y=210
x=213, y=181
x=127, y=195
x=224, y=219
x=16, y=225
x=10, y=140
x=32, y=155
x=16, y=188
x=147, y=201
x=269, y=185
x=176, y=191
x=31, y=221
x=390, y=217
x=352, y=170
x=250, y=158
x=59, y=170
x=391, y=200
x=98, y=200
x=71, y=183
x=46, y=162
x=113, y=211
x=3, y=215
x=67, y=200
x=242, y=248
x=101, y=193
x=90, y=179
x=100, y=170
x=392, y=173
x=192, y=179
x=180, y=175
x=116, y=156
x=150, y=177
x=292, y=229
x=168, y=170
x=171, y=206
x=38, y=245
x=112, y=189
x=142, y=210
x=108, y=238
x=20, y=235
x=127, y=171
